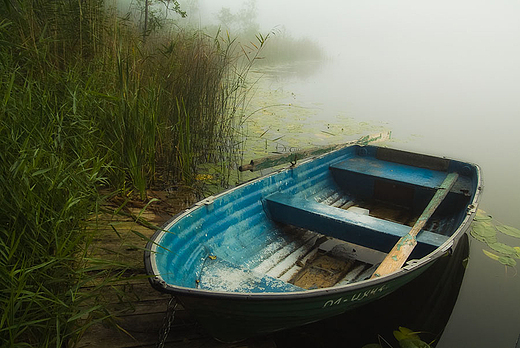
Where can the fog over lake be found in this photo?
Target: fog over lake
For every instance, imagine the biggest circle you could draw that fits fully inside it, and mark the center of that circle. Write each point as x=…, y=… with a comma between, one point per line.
x=447, y=71
x=444, y=76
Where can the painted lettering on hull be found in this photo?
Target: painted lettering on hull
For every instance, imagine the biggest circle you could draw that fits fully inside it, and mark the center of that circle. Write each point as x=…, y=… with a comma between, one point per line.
x=359, y=296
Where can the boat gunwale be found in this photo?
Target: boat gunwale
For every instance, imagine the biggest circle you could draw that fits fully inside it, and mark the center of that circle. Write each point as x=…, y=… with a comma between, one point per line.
x=159, y=284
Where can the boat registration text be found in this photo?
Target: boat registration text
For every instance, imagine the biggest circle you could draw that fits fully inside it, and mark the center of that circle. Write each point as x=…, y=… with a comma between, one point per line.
x=356, y=297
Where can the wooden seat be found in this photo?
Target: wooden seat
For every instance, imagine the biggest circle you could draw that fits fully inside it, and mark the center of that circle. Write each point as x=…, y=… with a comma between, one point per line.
x=349, y=226
x=402, y=173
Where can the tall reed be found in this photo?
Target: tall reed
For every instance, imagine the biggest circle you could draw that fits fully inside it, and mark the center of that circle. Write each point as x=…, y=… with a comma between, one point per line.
x=48, y=179
x=85, y=103
x=167, y=106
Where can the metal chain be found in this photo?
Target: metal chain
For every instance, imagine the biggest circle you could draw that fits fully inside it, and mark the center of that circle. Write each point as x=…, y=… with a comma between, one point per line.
x=167, y=323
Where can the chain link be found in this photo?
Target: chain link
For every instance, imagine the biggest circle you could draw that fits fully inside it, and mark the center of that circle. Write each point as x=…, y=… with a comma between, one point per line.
x=167, y=322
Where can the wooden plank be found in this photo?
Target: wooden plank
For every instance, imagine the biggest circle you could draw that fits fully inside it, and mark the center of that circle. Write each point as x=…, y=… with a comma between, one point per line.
x=404, y=247
x=392, y=171
x=348, y=226
x=413, y=159
x=292, y=157
x=322, y=272
x=422, y=177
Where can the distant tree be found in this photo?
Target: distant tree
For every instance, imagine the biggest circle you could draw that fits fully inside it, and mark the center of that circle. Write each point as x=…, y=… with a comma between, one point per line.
x=151, y=18
x=247, y=17
x=226, y=18
x=244, y=21
x=192, y=8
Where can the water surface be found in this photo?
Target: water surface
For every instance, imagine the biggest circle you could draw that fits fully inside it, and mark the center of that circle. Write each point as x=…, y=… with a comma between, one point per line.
x=427, y=112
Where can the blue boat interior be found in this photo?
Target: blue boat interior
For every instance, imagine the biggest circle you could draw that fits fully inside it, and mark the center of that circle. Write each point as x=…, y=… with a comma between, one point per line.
x=323, y=223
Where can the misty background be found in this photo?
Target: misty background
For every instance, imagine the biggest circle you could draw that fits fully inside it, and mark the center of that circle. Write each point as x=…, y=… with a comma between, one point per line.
x=446, y=72
x=444, y=76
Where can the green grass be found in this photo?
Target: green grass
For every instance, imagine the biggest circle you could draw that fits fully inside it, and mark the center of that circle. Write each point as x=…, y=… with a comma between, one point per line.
x=85, y=104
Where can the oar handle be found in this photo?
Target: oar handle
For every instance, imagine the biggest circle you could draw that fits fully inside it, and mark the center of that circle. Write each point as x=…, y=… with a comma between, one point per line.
x=272, y=161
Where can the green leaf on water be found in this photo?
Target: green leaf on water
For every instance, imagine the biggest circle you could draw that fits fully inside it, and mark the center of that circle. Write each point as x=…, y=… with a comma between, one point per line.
x=482, y=216
x=510, y=231
x=484, y=231
x=487, y=240
x=517, y=250
x=503, y=248
x=491, y=255
x=405, y=333
x=505, y=260
x=413, y=343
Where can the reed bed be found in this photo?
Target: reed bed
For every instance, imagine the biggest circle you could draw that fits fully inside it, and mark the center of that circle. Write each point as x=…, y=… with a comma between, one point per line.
x=86, y=104
x=285, y=49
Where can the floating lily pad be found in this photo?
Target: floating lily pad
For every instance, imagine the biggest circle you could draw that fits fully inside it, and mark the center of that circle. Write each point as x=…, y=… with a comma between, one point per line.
x=409, y=339
x=487, y=240
x=517, y=250
x=484, y=231
x=503, y=248
x=405, y=333
x=484, y=228
x=413, y=343
x=505, y=260
x=482, y=216
x=510, y=231
x=490, y=255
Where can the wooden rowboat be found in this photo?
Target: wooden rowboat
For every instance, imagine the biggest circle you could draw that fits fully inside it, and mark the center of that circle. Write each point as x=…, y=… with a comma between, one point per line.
x=314, y=240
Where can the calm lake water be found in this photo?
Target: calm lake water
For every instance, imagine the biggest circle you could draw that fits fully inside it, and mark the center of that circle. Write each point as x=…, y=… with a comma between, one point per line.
x=457, y=112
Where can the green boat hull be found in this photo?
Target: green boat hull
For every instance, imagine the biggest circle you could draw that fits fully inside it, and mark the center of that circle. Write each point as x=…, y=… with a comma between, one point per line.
x=233, y=319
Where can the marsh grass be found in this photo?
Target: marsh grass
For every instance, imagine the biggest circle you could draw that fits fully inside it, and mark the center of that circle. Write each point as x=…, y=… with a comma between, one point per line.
x=84, y=104
x=283, y=49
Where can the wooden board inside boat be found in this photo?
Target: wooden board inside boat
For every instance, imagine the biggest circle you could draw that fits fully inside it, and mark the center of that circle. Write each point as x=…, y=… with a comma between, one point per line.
x=388, y=212
x=321, y=272
x=335, y=263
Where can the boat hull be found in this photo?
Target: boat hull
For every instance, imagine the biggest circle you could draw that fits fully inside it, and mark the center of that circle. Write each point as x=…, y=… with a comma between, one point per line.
x=233, y=319
x=249, y=233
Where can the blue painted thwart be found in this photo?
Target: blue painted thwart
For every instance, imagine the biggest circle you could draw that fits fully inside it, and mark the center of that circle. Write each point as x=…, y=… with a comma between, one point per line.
x=301, y=244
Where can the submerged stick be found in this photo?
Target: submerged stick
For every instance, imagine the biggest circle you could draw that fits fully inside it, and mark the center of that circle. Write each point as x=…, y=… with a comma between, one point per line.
x=272, y=161
x=404, y=247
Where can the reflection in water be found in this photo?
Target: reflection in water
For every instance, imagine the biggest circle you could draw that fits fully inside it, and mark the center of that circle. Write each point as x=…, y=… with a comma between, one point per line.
x=423, y=305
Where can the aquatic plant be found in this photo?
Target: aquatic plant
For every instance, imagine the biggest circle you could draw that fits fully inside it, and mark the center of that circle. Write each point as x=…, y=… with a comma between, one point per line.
x=485, y=229
x=407, y=339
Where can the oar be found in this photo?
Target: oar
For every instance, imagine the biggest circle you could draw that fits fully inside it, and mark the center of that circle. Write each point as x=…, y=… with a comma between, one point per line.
x=292, y=157
x=404, y=247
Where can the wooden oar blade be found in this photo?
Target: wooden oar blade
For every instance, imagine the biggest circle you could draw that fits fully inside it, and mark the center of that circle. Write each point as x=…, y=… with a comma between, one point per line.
x=397, y=257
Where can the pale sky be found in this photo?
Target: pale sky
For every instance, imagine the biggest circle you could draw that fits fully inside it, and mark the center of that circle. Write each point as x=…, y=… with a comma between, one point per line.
x=442, y=25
